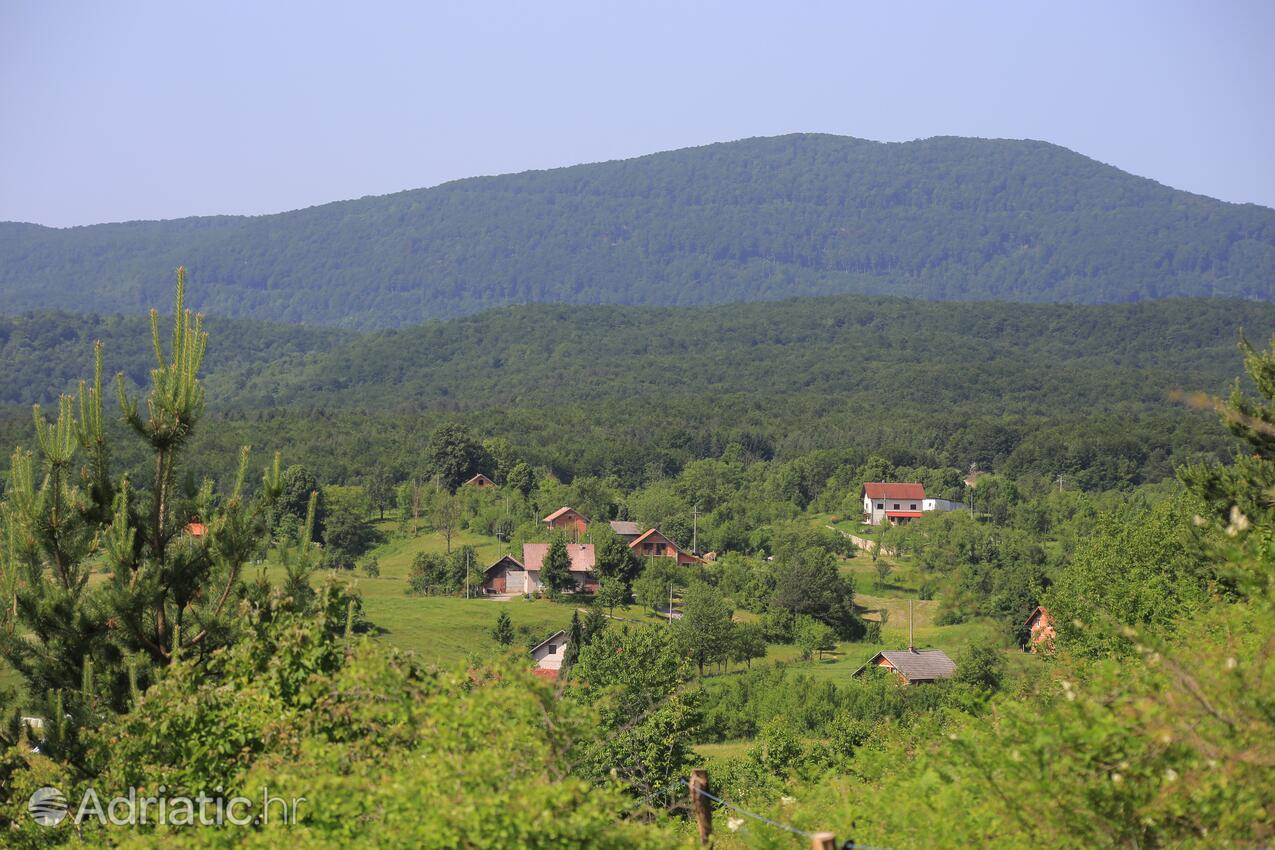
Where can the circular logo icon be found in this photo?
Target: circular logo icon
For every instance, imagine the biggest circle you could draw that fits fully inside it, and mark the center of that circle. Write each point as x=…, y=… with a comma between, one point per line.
x=47, y=806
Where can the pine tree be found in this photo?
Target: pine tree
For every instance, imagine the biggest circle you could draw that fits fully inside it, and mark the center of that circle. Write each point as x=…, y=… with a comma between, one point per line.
x=84, y=650
x=503, y=633
x=555, y=572
x=575, y=637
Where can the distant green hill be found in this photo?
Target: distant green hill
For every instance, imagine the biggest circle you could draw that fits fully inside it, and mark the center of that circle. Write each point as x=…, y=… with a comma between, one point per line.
x=1080, y=390
x=759, y=219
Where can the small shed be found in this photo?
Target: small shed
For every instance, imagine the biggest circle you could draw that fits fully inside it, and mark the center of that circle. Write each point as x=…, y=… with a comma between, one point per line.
x=507, y=575
x=914, y=666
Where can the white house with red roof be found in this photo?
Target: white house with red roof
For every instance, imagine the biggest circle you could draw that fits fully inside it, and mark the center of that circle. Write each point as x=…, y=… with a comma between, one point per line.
x=899, y=503
x=892, y=501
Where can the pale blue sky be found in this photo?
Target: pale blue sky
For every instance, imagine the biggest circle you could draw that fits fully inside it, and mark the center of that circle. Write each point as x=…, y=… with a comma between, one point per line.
x=116, y=111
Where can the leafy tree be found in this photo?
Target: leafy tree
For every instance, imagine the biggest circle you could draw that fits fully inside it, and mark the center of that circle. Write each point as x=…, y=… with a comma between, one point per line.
x=555, y=571
x=380, y=490
x=614, y=557
x=1139, y=569
x=347, y=535
x=634, y=680
x=453, y=455
x=814, y=636
x=522, y=478
x=981, y=665
x=807, y=582
x=705, y=629
x=445, y=513
x=303, y=709
x=748, y=641
x=503, y=632
x=294, y=498
x=501, y=458
x=612, y=592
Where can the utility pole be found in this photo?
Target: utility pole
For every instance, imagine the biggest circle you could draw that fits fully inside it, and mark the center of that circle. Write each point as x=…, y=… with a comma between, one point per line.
x=1060, y=482
x=695, y=530
x=911, y=645
x=670, y=603
x=468, y=554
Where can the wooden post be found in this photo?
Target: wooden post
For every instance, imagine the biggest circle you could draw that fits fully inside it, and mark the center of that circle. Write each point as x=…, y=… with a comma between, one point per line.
x=823, y=841
x=699, y=805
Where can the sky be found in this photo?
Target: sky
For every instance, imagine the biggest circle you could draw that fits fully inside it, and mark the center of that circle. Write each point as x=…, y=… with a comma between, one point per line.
x=141, y=110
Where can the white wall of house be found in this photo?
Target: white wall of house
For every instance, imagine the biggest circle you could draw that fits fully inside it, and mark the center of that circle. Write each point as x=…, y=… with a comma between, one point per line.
x=875, y=509
x=941, y=505
x=549, y=656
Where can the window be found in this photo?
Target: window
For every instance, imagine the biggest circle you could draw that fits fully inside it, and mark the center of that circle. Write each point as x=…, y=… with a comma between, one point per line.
x=880, y=506
x=912, y=507
x=896, y=506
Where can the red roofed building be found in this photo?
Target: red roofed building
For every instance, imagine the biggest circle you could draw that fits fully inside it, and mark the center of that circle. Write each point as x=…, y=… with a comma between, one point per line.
x=1040, y=627
x=196, y=529
x=653, y=544
x=568, y=520
x=583, y=562
x=893, y=502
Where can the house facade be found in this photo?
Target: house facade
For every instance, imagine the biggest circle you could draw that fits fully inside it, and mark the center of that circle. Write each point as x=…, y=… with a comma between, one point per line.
x=507, y=575
x=893, y=502
x=583, y=566
x=653, y=544
x=548, y=655
x=1040, y=631
x=480, y=481
x=569, y=521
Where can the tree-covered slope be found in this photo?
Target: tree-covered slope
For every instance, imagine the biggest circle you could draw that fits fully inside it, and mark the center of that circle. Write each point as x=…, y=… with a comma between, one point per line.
x=759, y=219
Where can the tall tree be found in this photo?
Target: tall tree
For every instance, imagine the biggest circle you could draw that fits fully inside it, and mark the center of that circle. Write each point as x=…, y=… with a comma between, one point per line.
x=704, y=631
x=84, y=649
x=453, y=455
x=555, y=571
x=380, y=490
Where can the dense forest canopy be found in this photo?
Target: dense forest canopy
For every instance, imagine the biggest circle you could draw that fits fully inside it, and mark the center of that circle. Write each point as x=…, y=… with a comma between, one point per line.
x=636, y=393
x=758, y=219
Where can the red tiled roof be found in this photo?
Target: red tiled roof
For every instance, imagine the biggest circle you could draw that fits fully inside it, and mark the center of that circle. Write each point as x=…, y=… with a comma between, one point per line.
x=559, y=512
x=196, y=529
x=911, y=514
x=539, y=673
x=893, y=490
x=1044, y=615
x=582, y=556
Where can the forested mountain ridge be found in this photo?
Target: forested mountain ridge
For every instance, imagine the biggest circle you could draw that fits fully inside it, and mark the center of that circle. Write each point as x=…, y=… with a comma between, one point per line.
x=758, y=219
x=1081, y=390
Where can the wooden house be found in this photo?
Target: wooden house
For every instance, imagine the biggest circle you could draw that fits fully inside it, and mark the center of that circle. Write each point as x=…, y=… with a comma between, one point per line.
x=480, y=481
x=507, y=575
